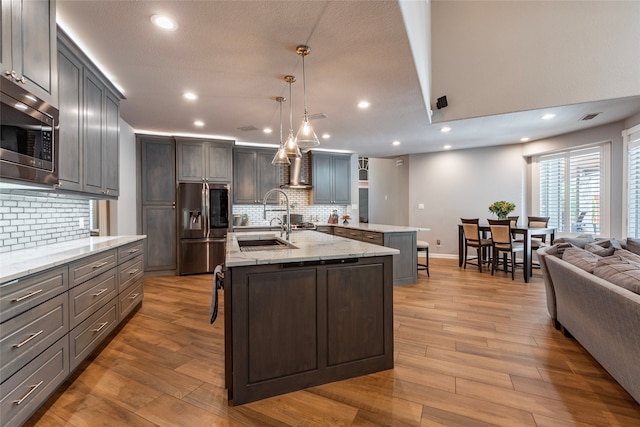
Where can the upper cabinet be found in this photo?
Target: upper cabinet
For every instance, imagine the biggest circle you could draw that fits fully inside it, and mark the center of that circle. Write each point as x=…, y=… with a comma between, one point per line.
x=203, y=160
x=89, y=125
x=254, y=175
x=29, y=46
x=331, y=178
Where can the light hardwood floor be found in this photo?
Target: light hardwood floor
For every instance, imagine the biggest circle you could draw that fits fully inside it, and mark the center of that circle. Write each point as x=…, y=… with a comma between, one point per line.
x=470, y=350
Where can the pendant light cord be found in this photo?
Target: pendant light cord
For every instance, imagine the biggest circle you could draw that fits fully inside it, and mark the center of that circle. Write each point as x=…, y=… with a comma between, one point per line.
x=290, y=109
x=304, y=87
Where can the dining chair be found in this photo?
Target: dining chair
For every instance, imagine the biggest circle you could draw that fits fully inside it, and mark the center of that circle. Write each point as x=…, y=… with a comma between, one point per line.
x=503, y=243
x=538, y=240
x=514, y=220
x=422, y=246
x=473, y=239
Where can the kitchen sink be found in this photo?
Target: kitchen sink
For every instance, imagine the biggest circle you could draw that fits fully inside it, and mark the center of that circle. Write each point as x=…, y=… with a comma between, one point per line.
x=264, y=245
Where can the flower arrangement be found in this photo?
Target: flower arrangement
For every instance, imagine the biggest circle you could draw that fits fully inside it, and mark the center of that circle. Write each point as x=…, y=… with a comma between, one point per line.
x=502, y=208
x=345, y=219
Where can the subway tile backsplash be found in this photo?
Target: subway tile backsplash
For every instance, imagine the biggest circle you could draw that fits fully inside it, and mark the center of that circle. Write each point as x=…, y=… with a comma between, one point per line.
x=34, y=218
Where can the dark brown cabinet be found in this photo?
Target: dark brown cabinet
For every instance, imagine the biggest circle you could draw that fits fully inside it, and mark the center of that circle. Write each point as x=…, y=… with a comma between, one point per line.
x=158, y=192
x=28, y=51
x=254, y=175
x=203, y=160
x=331, y=179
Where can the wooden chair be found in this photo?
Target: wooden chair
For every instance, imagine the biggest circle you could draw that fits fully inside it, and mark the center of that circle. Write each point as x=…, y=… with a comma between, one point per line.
x=538, y=240
x=503, y=243
x=472, y=239
x=423, y=246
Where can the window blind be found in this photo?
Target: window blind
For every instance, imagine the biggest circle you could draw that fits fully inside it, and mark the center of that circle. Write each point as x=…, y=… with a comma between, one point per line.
x=633, y=179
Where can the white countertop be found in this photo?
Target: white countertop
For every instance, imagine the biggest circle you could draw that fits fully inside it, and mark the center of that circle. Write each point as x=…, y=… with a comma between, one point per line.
x=380, y=228
x=311, y=246
x=17, y=264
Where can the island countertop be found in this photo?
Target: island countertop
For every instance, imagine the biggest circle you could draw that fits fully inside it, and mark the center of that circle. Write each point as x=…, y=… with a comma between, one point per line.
x=311, y=246
x=379, y=228
x=17, y=264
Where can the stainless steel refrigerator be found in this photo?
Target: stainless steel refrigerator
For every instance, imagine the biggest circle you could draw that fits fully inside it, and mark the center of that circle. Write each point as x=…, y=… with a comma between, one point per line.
x=203, y=222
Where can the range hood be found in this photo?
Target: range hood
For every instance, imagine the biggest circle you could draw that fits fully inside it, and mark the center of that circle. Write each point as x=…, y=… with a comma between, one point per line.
x=298, y=173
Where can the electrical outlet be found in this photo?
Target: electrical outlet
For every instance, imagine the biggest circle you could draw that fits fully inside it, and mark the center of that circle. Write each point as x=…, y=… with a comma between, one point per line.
x=438, y=243
x=420, y=205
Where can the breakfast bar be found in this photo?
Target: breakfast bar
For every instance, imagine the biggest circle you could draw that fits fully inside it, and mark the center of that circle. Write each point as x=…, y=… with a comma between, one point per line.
x=302, y=313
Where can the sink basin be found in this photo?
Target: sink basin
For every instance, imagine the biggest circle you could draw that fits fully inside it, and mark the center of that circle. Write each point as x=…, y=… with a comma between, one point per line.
x=264, y=245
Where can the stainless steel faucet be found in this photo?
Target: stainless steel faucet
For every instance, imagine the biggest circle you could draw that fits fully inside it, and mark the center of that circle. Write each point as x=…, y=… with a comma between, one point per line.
x=286, y=198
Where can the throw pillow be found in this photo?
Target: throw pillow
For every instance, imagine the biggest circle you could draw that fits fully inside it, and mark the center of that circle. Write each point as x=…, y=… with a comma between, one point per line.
x=558, y=249
x=619, y=271
x=581, y=258
x=633, y=245
x=623, y=253
x=601, y=247
x=579, y=241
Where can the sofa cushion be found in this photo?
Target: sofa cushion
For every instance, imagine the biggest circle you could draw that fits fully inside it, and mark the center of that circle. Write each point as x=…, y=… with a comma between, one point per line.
x=601, y=247
x=633, y=245
x=623, y=253
x=619, y=271
x=579, y=241
x=581, y=258
x=558, y=249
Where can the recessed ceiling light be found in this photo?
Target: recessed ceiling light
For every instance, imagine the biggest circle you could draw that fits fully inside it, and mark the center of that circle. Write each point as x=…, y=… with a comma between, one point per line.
x=198, y=123
x=326, y=136
x=548, y=116
x=395, y=143
x=266, y=130
x=445, y=129
x=363, y=104
x=190, y=96
x=446, y=147
x=164, y=22
x=524, y=139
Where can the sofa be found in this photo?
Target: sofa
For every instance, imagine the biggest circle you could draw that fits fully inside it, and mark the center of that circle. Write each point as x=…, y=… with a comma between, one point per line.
x=595, y=297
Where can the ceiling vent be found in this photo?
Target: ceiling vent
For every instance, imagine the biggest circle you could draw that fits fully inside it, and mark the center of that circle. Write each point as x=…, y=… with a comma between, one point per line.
x=591, y=116
x=247, y=128
x=317, y=116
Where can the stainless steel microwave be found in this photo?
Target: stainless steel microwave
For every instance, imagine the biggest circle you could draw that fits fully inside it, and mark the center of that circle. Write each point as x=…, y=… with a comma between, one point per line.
x=28, y=136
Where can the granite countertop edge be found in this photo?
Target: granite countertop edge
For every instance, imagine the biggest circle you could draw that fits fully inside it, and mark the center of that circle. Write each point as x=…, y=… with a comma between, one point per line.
x=378, y=228
x=24, y=262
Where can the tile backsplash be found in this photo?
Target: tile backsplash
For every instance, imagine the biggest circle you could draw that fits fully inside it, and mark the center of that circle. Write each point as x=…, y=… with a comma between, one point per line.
x=34, y=218
x=299, y=204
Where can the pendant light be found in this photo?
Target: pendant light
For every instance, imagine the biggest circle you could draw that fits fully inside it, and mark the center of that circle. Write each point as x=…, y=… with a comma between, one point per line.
x=291, y=145
x=306, y=137
x=280, y=158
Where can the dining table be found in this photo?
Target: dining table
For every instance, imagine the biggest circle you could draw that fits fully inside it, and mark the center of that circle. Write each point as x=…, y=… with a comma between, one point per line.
x=526, y=232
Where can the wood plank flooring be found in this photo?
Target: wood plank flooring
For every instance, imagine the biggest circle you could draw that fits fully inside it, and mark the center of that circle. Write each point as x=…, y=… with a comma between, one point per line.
x=471, y=349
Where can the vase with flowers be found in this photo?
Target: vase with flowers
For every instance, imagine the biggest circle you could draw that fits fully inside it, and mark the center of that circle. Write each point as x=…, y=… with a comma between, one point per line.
x=502, y=208
x=345, y=219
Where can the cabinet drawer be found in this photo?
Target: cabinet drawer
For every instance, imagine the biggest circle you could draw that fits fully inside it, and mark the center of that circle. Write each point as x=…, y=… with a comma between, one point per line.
x=90, y=333
x=129, y=251
x=348, y=232
x=89, y=267
x=88, y=297
x=27, y=335
x=130, y=298
x=324, y=229
x=339, y=231
x=130, y=272
x=24, y=392
x=22, y=294
x=373, y=237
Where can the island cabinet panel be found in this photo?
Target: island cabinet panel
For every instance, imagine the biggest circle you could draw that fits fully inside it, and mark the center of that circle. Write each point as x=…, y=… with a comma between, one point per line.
x=355, y=322
x=290, y=326
x=405, y=264
x=289, y=301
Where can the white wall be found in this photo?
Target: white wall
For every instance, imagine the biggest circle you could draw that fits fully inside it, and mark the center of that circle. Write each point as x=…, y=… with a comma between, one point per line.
x=389, y=191
x=462, y=184
x=492, y=57
x=123, y=211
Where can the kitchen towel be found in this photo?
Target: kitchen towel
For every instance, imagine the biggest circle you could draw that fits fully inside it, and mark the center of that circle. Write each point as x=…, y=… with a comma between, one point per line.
x=218, y=283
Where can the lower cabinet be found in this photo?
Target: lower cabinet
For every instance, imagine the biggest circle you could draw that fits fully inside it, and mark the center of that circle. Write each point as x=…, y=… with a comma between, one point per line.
x=53, y=320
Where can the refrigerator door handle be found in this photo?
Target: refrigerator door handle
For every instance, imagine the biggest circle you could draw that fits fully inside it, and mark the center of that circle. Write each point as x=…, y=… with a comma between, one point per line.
x=207, y=208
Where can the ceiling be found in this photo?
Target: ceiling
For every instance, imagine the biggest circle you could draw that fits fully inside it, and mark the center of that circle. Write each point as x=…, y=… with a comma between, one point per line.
x=234, y=56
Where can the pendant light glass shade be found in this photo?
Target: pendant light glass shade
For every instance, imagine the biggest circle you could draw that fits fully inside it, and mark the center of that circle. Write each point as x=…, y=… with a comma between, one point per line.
x=291, y=148
x=306, y=137
x=280, y=158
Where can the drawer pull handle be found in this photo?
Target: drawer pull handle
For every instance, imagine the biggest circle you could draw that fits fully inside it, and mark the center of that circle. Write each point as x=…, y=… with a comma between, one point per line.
x=134, y=271
x=133, y=251
x=32, y=389
x=102, y=325
x=100, y=292
x=134, y=296
x=102, y=264
x=32, y=336
x=29, y=295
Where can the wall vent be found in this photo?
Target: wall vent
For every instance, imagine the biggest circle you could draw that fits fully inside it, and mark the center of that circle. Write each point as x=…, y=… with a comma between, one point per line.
x=247, y=128
x=591, y=116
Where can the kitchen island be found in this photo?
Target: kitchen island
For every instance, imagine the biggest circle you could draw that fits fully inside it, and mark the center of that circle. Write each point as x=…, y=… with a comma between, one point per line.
x=306, y=315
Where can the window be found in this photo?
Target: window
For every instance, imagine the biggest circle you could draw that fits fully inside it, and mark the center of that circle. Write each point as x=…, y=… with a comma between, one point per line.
x=632, y=142
x=570, y=189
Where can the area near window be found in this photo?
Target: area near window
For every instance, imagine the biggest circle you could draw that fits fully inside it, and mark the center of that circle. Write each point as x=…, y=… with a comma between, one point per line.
x=631, y=140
